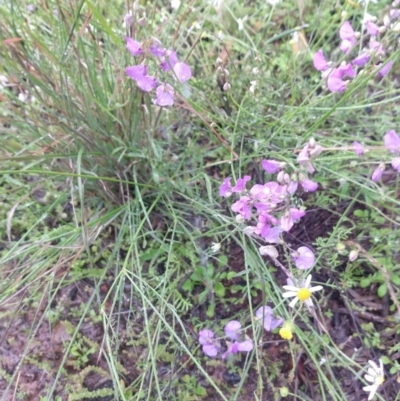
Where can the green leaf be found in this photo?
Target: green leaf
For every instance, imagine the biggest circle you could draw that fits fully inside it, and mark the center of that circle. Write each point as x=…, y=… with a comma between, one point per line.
x=188, y=285
x=222, y=260
x=211, y=310
x=202, y=296
x=385, y=360
x=395, y=280
x=382, y=290
x=365, y=282
x=219, y=289
x=200, y=390
x=231, y=275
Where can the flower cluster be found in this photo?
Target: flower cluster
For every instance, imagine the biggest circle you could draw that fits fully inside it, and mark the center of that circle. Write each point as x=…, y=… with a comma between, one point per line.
x=392, y=144
x=167, y=61
x=211, y=346
x=371, y=57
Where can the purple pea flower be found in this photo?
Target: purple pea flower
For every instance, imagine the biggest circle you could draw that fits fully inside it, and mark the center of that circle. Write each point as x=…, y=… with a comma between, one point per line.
x=168, y=62
x=383, y=70
x=319, y=61
x=303, y=258
x=147, y=83
x=268, y=319
x=210, y=345
x=136, y=72
x=358, y=148
x=182, y=72
x=396, y=164
x=164, y=95
x=348, y=36
x=361, y=60
x=235, y=347
x=241, y=184
x=225, y=189
x=231, y=329
x=242, y=207
x=377, y=174
x=309, y=185
x=304, y=159
x=392, y=141
x=156, y=48
x=372, y=28
x=271, y=166
x=376, y=47
x=134, y=47
x=288, y=218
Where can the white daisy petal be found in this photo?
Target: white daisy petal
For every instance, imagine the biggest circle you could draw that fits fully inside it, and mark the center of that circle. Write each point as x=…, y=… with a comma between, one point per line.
x=290, y=288
x=309, y=302
x=293, y=302
x=289, y=294
x=369, y=378
x=316, y=288
x=374, y=366
x=308, y=281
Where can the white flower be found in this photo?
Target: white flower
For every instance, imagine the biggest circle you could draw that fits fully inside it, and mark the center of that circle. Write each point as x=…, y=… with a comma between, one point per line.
x=175, y=4
x=300, y=292
x=273, y=2
x=376, y=376
x=215, y=246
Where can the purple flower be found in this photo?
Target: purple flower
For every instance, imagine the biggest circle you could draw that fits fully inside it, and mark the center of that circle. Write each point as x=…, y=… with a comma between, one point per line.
x=384, y=69
x=292, y=187
x=241, y=184
x=319, y=61
x=156, y=48
x=335, y=81
x=136, y=72
x=234, y=348
x=346, y=70
x=147, y=83
x=392, y=141
x=182, y=71
x=210, y=345
x=376, y=47
x=242, y=207
x=372, y=28
x=288, y=219
x=361, y=60
x=358, y=148
x=168, y=65
x=271, y=166
x=377, y=174
x=304, y=159
x=231, y=329
x=164, y=95
x=309, y=185
x=225, y=189
x=267, y=318
x=348, y=36
x=128, y=20
x=303, y=258
x=396, y=164
x=134, y=47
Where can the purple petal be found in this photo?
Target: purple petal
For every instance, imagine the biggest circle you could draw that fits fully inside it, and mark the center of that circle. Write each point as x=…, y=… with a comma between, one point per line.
x=358, y=148
x=156, y=49
x=164, y=95
x=346, y=70
x=225, y=189
x=346, y=32
x=271, y=166
x=309, y=185
x=241, y=184
x=245, y=346
x=304, y=258
x=134, y=47
x=147, y=83
x=392, y=141
x=372, y=28
x=385, y=69
x=136, y=72
x=168, y=64
x=361, y=60
x=210, y=350
x=206, y=336
x=396, y=164
x=319, y=61
x=377, y=174
x=296, y=214
x=376, y=47
x=231, y=329
x=292, y=187
x=335, y=84
x=182, y=71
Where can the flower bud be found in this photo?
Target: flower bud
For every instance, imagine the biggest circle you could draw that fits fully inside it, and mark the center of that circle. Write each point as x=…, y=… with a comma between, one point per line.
x=226, y=86
x=353, y=255
x=340, y=247
x=284, y=392
x=269, y=250
x=239, y=219
x=215, y=246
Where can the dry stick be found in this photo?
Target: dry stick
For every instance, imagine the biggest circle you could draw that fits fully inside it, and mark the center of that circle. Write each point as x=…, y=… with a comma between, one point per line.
x=381, y=268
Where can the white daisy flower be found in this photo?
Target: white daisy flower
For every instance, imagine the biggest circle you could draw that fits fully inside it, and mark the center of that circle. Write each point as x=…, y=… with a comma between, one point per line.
x=376, y=376
x=300, y=292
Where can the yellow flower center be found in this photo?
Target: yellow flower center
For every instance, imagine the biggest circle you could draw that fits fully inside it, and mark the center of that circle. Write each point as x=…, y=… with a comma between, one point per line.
x=303, y=294
x=379, y=380
x=286, y=333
